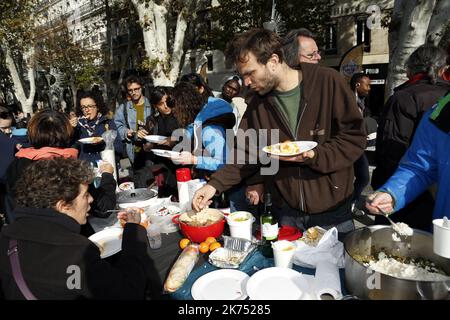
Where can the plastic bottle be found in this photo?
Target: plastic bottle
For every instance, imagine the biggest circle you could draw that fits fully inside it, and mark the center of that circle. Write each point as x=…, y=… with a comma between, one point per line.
x=183, y=176
x=154, y=236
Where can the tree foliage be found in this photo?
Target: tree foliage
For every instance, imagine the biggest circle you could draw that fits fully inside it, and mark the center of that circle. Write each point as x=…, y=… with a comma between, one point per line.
x=79, y=65
x=311, y=14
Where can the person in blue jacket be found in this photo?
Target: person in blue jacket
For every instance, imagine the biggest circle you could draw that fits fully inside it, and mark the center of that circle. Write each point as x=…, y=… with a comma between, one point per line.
x=206, y=122
x=426, y=162
x=93, y=121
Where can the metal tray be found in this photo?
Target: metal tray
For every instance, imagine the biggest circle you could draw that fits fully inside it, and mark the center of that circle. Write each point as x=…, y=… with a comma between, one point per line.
x=235, y=252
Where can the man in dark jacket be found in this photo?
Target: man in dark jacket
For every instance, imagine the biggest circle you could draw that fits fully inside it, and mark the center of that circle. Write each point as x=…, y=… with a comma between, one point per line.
x=399, y=120
x=313, y=103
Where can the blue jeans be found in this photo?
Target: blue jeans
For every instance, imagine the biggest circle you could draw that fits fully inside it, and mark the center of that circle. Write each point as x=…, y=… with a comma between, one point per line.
x=362, y=177
x=238, y=200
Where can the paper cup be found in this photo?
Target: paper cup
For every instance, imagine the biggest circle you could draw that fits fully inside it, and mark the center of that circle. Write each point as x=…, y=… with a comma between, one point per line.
x=441, y=238
x=283, y=253
x=240, y=223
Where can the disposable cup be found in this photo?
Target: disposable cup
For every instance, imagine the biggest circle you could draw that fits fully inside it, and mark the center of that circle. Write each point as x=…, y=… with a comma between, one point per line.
x=283, y=253
x=441, y=238
x=240, y=223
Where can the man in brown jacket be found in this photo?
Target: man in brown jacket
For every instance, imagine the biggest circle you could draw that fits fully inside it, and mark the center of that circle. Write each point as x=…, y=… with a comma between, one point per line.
x=312, y=103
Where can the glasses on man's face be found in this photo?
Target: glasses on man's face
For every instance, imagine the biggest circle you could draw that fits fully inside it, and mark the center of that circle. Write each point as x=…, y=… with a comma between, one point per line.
x=311, y=55
x=131, y=90
x=85, y=108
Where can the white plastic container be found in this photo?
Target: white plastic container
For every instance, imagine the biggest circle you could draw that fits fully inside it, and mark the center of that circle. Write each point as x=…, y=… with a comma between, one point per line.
x=441, y=238
x=154, y=236
x=283, y=253
x=240, y=223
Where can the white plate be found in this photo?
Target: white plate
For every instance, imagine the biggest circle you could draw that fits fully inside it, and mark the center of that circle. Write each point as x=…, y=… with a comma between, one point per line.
x=91, y=140
x=109, y=241
x=277, y=284
x=303, y=146
x=155, y=138
x=222, y=284
x=165, y=153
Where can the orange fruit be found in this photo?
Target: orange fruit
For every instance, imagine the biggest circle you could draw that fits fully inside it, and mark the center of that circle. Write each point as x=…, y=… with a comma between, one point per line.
x=210, y=240
x=184, y=243
x=203, y=247
x=213, y=246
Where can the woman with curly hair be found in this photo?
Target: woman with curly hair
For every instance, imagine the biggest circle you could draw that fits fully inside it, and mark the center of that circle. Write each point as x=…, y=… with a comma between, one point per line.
x=42, y=254
x=92, y=121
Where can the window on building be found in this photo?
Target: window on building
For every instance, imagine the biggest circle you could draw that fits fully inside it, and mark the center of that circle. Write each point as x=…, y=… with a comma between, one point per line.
x=331, y=39
x=363, y=33
x=193, y=64
x=94, y=39
x=210, y=62
x=86, y=42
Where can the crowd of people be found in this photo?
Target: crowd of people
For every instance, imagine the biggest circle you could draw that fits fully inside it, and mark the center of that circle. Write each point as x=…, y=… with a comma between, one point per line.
x=48, y=185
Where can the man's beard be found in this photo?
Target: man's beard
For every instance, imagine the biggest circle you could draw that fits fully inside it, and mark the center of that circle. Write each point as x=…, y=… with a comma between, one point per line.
x=267, y=84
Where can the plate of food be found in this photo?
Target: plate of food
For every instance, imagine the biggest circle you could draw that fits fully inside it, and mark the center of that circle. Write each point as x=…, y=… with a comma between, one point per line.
x=222, y=284
x=155, y=138
x=109, y=241
x=290, y=148
x=165, y=153
x=91, y=140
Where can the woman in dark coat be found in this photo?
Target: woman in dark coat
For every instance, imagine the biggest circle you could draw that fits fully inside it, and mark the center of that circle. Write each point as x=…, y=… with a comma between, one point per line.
x=55, y=260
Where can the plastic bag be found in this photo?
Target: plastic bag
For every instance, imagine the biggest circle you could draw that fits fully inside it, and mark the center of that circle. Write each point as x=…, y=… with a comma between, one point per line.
x=109, y=136
x=182, y=268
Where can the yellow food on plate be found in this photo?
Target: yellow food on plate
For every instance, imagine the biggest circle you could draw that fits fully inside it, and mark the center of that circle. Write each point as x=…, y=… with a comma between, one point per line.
x=289, y=147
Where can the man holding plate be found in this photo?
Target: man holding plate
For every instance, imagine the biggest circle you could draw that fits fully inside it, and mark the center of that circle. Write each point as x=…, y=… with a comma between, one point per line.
x=310, y=103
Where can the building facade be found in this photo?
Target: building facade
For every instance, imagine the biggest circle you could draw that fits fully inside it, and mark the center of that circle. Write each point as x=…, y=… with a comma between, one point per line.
x=355, y=22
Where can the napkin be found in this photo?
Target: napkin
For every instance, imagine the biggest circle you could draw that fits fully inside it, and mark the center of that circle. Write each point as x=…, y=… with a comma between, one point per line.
x=328, y=249
x=327, y=280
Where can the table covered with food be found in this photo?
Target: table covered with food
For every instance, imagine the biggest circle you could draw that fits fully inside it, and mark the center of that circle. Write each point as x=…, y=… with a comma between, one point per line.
x=197, y=258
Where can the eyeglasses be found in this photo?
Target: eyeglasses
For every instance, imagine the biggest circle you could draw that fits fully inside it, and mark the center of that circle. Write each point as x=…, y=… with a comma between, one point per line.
x=134, y=90
x=311, y=55
x=93, y=106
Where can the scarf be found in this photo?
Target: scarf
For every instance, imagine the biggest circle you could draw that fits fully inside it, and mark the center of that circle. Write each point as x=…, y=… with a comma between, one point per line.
x=90, y=125
x=46, y=153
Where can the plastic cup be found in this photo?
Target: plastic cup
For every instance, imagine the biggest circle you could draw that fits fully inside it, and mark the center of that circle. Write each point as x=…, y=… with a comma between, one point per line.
x=240, y=223
x=283, y=253
x=441, y=238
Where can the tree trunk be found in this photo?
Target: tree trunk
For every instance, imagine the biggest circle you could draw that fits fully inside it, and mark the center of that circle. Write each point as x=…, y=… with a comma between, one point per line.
x=408, y=30
x=153, y=19
x=439, y=22
x=73, y=88
x=25, y=101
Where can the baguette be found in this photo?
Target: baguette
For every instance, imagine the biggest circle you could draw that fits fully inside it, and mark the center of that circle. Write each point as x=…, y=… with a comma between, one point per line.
x=182, y=268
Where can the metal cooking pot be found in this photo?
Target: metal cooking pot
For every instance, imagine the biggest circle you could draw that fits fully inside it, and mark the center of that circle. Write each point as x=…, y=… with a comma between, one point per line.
x=140, y=198
x=367, y=284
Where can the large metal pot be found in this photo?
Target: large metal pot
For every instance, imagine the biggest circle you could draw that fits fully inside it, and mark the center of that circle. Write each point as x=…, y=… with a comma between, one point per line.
x=367, y=284
x=141, y=198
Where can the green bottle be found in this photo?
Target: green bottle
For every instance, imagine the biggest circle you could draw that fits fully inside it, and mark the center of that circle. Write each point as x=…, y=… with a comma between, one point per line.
x=269, y=227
